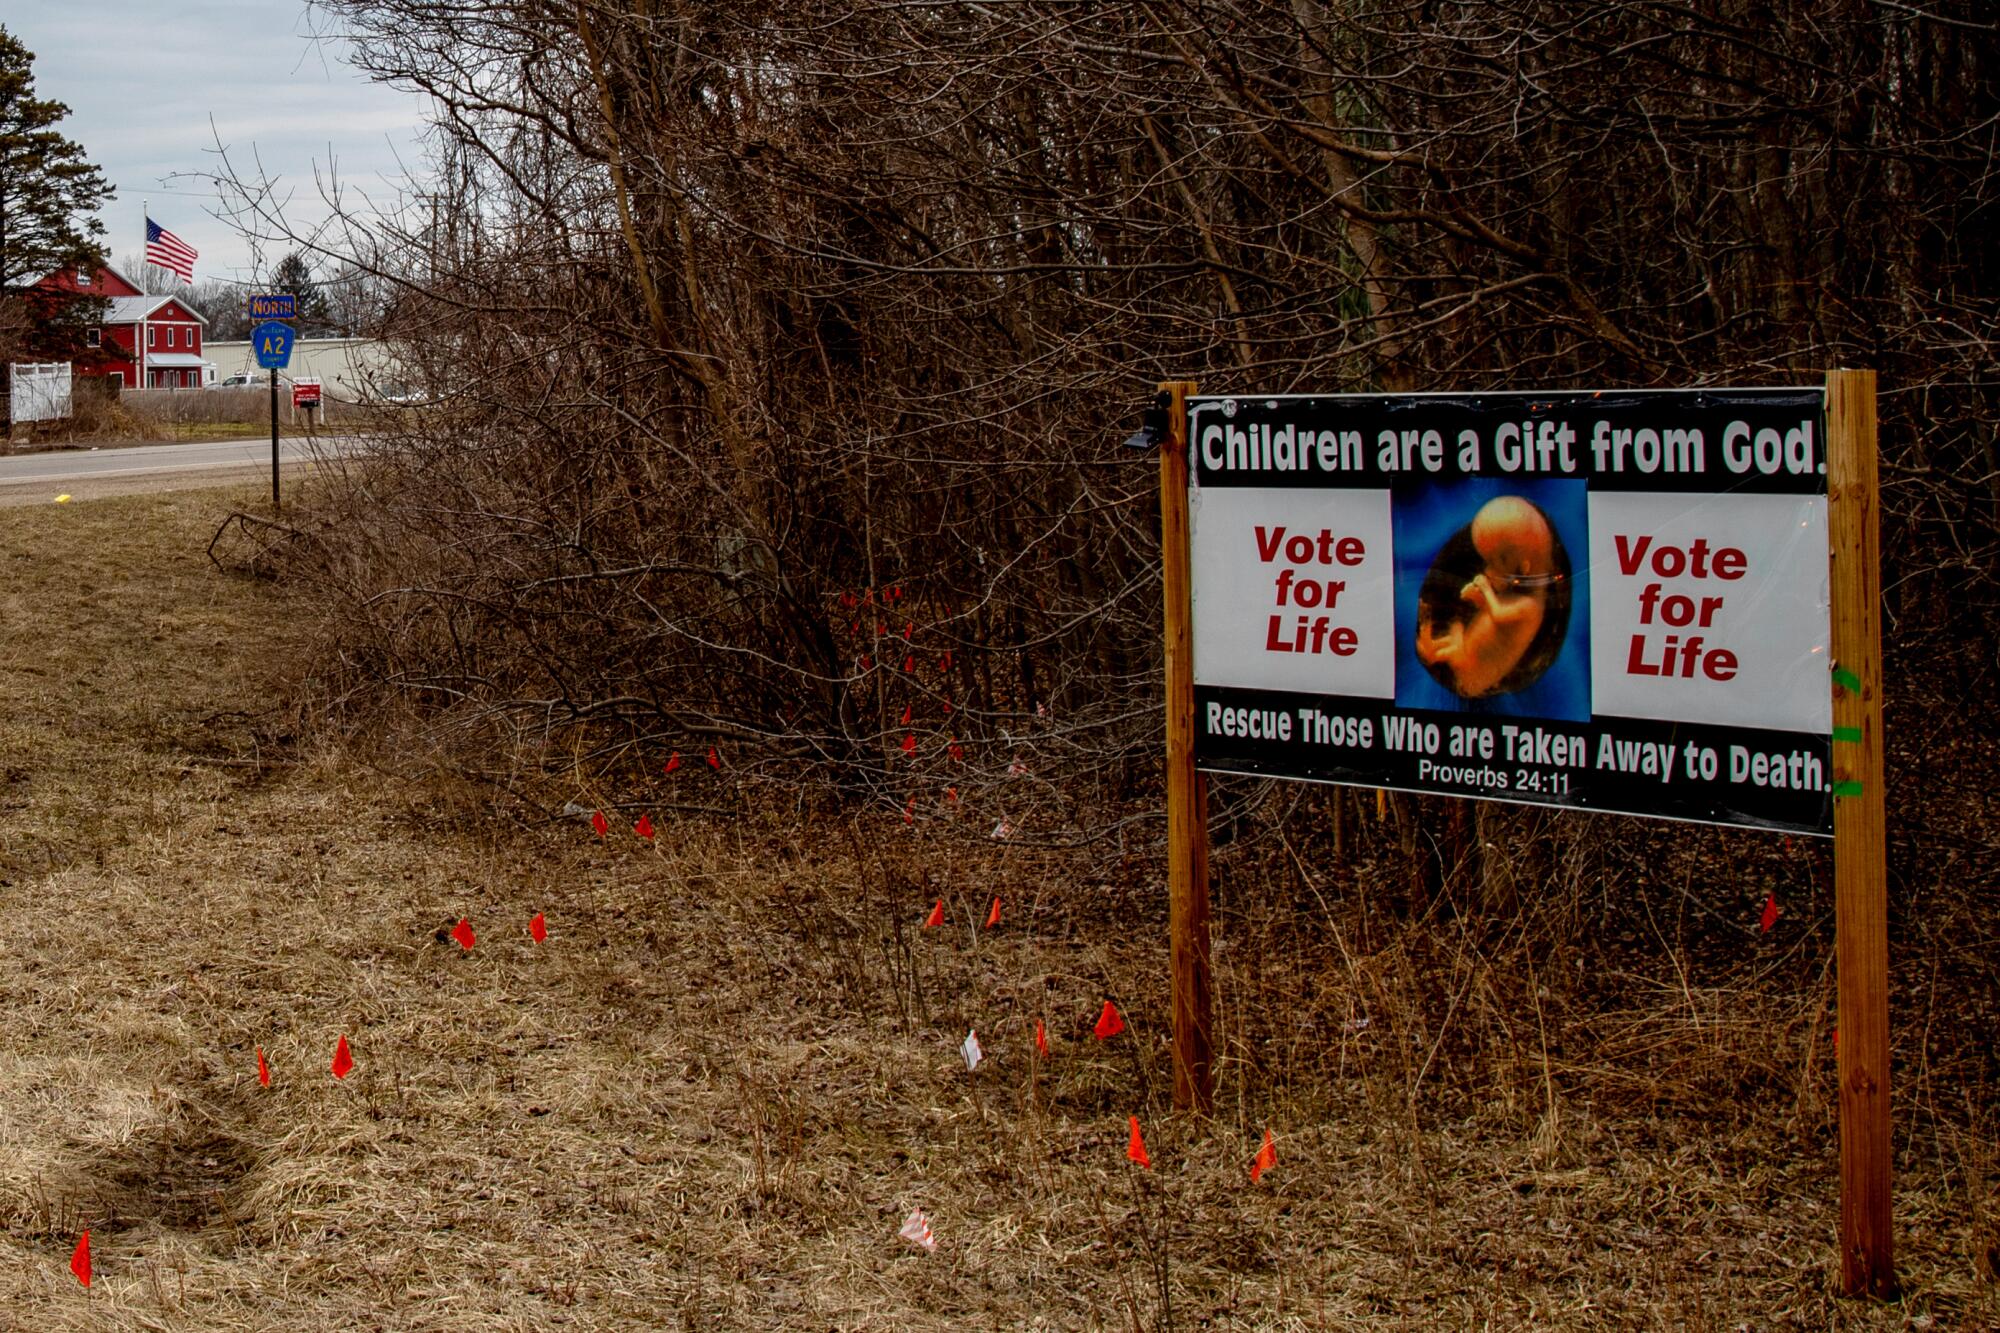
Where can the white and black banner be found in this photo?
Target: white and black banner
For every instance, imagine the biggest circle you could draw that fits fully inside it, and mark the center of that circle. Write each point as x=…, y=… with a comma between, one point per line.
x=1613, y=601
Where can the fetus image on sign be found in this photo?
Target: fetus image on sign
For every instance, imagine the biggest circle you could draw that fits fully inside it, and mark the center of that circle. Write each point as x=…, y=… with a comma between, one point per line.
x=1494, y=609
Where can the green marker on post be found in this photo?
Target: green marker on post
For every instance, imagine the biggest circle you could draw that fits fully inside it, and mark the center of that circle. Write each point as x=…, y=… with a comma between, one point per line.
x=1850, y=682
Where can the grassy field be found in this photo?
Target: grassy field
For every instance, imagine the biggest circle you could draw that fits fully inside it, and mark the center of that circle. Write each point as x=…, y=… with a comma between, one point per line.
x=712, y=1095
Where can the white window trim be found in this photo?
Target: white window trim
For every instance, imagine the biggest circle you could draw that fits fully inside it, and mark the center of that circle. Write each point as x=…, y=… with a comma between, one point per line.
x=94, y=338
x=152, y=332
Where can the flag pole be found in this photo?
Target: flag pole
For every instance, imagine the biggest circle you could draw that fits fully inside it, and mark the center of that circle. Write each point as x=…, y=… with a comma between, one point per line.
x=139, y=329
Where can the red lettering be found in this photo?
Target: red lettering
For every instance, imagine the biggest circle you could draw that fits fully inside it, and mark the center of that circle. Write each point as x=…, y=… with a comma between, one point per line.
x=1679, y=658
x=1635, y=661
x=1698, y=560
x=1312, y=634
x=1303, y=550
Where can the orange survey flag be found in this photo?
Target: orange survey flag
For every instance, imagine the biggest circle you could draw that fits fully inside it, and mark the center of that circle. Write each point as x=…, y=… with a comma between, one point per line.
x=1135, y=1147
x=993, y=917
x=936, y=918
x=1109, y=1023
x=1266, y=1158
x=79, y=1259
x=343, y=1061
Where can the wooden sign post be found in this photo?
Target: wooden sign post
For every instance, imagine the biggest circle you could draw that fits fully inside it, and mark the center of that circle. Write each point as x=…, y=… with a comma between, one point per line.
x=1187, y=788
x=1860, y=875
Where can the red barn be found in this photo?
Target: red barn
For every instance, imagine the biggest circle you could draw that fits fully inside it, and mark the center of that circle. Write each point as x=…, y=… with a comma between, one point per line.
x=145, y=342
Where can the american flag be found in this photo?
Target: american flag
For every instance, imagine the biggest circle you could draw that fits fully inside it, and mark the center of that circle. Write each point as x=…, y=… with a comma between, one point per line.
x=169, y=251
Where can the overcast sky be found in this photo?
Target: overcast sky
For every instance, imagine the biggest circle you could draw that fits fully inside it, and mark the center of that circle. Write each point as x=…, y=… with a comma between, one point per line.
x=153, y=87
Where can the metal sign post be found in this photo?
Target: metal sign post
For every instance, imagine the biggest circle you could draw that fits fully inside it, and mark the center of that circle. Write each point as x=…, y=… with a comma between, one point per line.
x=272, y=343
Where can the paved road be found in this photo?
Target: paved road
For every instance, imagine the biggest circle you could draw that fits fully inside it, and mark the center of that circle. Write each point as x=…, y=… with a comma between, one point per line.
x=77, y=464
x=95, y=474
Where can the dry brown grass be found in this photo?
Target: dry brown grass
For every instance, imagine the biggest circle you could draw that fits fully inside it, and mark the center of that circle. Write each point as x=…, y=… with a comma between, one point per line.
x=711, y=1097
x=155, y=416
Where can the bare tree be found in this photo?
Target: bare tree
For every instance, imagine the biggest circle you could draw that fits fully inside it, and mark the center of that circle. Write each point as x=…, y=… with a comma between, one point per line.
x=777, y=356
x=811, y=300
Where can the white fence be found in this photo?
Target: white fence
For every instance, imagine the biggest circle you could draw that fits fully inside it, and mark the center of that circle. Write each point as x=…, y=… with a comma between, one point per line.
x=41, y=390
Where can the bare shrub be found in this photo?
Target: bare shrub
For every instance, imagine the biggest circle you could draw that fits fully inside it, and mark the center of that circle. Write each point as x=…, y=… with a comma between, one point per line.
x=806, y=335
x=173, y=407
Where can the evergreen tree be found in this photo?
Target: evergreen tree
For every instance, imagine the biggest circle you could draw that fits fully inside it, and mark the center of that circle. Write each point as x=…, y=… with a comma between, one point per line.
x=294, y=275
x=49, y=192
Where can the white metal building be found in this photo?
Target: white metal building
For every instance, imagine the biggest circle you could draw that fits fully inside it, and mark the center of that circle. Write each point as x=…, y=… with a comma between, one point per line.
x=348, y=369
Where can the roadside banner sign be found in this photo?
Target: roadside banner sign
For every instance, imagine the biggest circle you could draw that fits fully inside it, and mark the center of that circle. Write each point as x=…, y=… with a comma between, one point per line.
x=305, y=393
x=272, y=342
x=1662, y=603
x=1613, y=601
x=273, y=305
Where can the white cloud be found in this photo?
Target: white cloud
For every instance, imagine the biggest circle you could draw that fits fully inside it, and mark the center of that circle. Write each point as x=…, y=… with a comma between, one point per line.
x=151, y=88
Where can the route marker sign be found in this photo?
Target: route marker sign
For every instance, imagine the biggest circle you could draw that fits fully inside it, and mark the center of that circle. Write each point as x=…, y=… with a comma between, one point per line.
x=274, y=305
x=272, y=343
